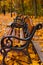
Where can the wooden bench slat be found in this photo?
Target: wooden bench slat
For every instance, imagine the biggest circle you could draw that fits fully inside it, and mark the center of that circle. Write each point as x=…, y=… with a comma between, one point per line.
x=21, y=36
x=17, y=35
x=38, y=49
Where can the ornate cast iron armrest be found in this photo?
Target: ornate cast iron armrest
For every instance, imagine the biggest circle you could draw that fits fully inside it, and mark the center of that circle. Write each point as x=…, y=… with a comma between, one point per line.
x=37, y=27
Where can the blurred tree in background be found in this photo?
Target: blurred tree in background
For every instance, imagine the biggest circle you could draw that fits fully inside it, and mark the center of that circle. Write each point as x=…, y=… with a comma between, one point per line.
x=22, y=6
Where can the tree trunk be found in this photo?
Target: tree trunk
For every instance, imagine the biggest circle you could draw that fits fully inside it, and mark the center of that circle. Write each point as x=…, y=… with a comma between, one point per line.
x=35, y=7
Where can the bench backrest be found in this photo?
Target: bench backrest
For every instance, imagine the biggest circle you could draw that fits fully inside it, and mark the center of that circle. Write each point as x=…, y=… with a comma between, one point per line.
x=30, y=24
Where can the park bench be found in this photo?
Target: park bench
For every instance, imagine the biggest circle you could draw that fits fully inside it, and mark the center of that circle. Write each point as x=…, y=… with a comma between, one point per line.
x=24, y=31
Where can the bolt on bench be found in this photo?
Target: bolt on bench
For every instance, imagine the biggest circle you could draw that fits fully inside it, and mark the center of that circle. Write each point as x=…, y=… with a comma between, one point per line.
x=18, y=39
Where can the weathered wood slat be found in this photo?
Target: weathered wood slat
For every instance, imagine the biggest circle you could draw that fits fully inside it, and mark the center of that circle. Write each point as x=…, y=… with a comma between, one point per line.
x=21, y=36
x=17, y=35
x=38, y=49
